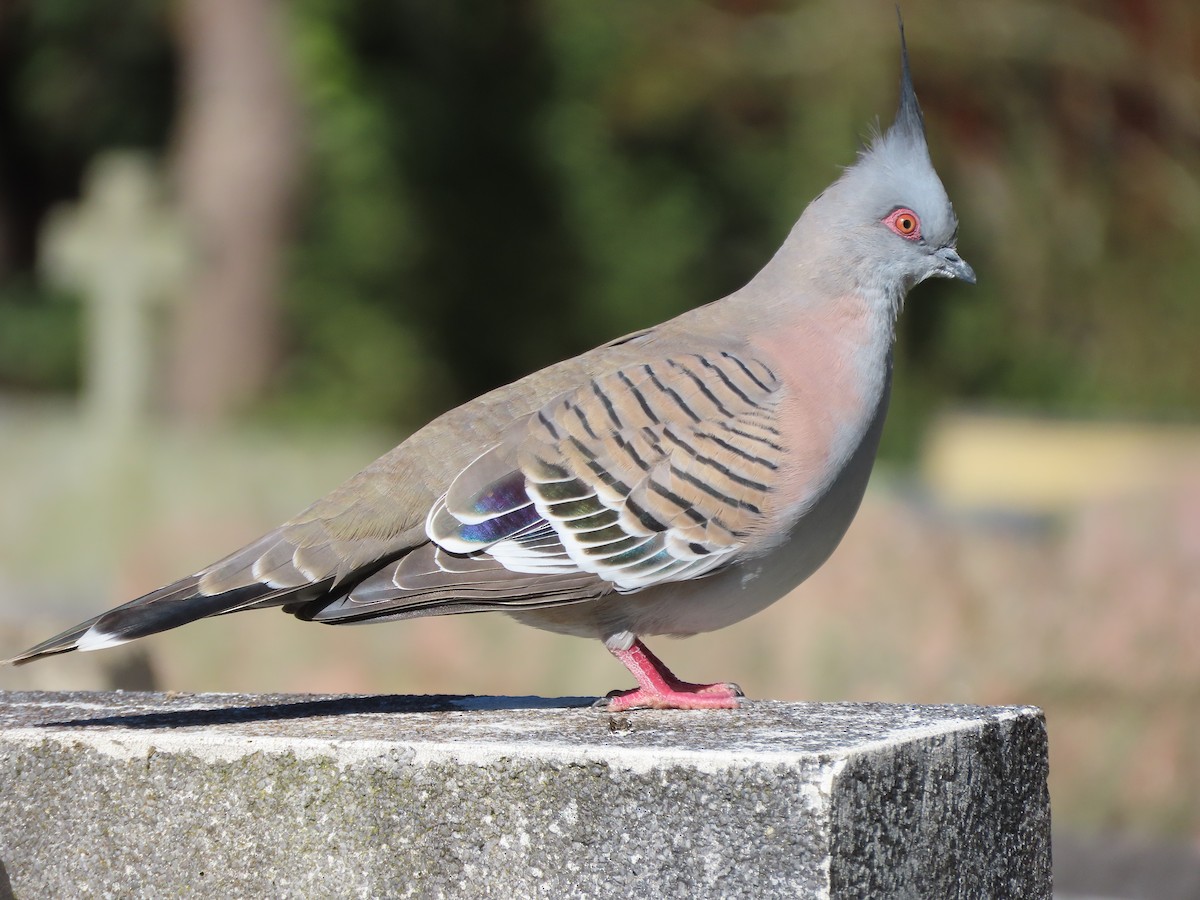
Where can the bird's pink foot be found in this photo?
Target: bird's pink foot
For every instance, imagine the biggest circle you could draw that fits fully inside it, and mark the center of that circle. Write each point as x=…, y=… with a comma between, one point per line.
x=694, y=696
x=659, y=689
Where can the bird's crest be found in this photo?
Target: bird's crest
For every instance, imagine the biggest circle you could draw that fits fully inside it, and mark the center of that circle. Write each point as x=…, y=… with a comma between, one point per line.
x=906, y=136
x=909, y=120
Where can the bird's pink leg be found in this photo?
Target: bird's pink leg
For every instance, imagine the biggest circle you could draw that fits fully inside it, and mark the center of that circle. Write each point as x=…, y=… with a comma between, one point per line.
x=659, y=689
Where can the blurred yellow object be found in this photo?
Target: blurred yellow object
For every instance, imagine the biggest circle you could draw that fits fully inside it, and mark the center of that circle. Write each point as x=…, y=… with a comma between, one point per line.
x=1032, y=465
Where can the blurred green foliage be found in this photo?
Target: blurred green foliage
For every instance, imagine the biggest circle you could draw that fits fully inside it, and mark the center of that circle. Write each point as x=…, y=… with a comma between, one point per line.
x=74, y=78
x=492, y=187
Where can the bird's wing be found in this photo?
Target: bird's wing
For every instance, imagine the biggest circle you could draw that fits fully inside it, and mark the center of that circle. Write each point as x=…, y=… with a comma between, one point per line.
x=656, y=472
x=379, y=514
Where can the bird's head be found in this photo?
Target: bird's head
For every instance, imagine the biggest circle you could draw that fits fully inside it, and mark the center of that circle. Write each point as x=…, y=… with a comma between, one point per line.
x=887, y=222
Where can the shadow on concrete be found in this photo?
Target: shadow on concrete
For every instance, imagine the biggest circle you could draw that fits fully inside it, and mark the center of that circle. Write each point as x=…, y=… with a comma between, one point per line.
x=193, y=716
x=6, y=891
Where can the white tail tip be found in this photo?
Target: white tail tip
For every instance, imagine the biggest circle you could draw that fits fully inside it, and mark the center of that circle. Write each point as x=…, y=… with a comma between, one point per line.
x=99, y=640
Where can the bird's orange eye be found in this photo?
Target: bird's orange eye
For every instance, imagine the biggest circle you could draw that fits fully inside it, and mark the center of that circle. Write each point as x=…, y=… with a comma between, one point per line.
x=905, y=223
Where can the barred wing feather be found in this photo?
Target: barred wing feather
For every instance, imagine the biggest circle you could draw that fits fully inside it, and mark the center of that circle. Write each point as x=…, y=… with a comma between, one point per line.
x=657, y=472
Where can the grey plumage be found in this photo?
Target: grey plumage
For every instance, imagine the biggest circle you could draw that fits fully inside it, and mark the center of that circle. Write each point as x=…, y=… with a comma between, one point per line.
x=673, y=481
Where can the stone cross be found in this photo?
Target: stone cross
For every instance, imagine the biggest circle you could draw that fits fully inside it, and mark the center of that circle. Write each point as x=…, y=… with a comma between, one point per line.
x=124, y=251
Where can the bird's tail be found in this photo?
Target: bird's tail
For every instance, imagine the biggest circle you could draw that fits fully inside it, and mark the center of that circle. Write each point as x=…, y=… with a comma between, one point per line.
x=160, y=610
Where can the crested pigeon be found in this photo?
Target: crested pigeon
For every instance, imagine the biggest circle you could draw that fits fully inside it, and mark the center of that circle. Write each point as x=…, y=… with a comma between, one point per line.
x=673, y=481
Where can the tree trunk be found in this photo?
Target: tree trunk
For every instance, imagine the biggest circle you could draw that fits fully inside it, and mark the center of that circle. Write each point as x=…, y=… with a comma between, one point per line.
x=237, y=150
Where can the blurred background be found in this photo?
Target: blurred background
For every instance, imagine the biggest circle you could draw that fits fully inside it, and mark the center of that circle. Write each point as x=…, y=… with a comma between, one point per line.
x=247, y=246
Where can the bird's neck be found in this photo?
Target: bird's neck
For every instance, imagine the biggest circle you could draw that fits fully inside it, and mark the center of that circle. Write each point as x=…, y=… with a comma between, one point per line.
x=792, y=305
x=817, y=267
x=846, y=333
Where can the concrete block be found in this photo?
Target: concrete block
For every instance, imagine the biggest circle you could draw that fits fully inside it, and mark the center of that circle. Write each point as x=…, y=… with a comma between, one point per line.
x=156, y=795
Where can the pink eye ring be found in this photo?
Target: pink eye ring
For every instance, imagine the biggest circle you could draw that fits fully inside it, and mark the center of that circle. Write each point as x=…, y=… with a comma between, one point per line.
x=905, y=223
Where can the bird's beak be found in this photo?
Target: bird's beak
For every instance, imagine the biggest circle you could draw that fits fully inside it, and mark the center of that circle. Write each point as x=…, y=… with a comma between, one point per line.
x=954, y=266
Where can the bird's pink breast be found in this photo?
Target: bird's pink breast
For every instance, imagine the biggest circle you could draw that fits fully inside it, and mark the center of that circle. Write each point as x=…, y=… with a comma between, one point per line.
x=832, y=363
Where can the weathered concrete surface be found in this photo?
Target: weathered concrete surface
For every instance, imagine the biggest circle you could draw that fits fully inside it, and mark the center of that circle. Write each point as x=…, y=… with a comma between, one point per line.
x=148, y=795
